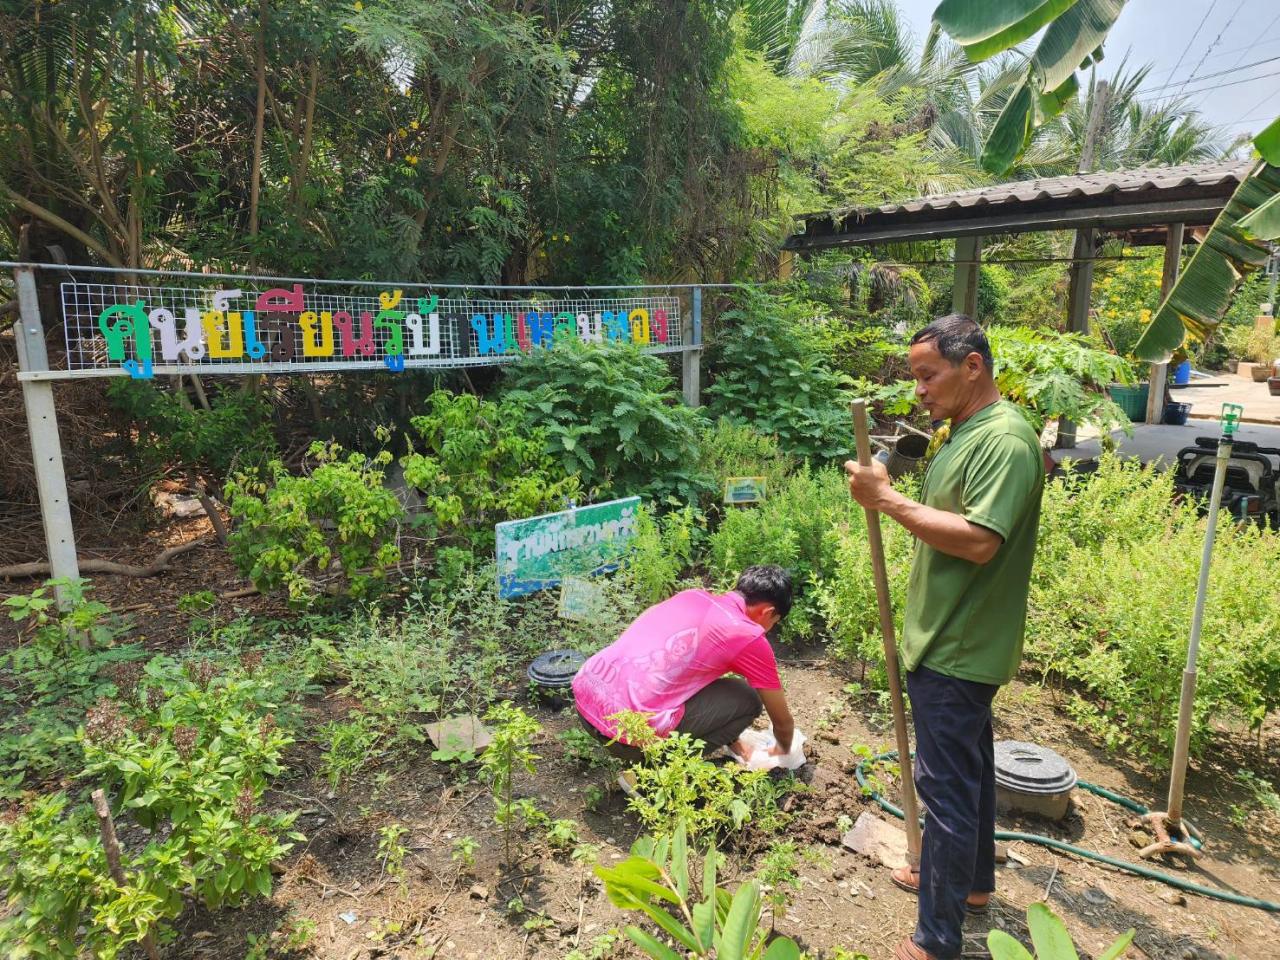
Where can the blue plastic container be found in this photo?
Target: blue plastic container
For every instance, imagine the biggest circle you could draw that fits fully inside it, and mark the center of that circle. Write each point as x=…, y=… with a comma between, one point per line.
x=1182, y=374
x=1176, y=414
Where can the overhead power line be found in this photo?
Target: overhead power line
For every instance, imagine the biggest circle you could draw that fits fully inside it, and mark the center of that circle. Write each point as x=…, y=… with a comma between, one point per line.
x=1210, y=76
x=1209, y=49
x=1210, y=89
x=1187, y=49
x=1221, y=53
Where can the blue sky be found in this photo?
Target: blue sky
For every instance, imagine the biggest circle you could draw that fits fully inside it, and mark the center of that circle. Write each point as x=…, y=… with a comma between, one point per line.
x=1241, y=32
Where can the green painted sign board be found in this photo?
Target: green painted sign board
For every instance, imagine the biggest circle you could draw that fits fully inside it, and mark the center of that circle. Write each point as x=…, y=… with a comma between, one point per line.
x=540, y=552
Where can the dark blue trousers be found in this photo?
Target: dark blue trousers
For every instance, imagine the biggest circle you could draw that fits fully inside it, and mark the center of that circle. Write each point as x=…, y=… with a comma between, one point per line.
x=955, y=778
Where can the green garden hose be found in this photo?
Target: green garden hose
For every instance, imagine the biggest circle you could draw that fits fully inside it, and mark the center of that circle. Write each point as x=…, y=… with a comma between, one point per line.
x=1050, y=842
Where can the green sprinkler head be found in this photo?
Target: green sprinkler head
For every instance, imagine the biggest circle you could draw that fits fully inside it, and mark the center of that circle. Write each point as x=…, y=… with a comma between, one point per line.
x=1231, y=413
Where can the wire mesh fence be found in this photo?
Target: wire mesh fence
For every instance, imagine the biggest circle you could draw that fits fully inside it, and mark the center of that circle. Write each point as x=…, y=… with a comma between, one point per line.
x=183, y=324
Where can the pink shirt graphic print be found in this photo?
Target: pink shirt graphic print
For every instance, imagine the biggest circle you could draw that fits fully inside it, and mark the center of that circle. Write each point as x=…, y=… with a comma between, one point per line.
x=669, y=653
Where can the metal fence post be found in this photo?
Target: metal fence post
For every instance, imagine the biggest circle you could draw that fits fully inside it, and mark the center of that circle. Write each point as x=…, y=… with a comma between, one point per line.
x=42, y=425
x=692, y=356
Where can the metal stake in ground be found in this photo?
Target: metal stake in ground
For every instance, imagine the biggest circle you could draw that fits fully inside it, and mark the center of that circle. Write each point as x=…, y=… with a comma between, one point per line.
x=1172, y=835
x=911, y=813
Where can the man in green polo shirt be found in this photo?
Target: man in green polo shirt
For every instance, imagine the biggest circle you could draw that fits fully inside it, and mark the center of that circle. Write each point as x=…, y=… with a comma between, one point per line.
x=975, y=527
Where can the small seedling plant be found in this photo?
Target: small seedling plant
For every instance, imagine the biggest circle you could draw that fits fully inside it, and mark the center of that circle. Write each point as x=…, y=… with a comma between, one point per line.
x=391, y=851
x=676, y=784
x=509, y=752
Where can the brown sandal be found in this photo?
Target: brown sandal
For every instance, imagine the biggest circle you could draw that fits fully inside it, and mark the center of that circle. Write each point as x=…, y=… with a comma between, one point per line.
x=908, y=949
x=905, y=878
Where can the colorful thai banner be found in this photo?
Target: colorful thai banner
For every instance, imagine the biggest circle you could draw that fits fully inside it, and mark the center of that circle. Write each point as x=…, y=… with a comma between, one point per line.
x=144, y=330
x=539, y=552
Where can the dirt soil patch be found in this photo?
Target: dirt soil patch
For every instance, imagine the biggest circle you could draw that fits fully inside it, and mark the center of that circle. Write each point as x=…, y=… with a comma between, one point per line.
x=546, y=904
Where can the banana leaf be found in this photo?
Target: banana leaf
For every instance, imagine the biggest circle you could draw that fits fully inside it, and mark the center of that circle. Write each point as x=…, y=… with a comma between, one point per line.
x=1200, y=298
x=1071, y=40
x=987, y=27
x=1268, y=143
x=1012, y=130
x=1076, y=30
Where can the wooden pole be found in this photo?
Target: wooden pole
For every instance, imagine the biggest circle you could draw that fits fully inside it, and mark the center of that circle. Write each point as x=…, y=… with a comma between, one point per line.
x=910, y=809
x=111, y=844
x=1080, y=288
x=1159, y=372
x=964, y=287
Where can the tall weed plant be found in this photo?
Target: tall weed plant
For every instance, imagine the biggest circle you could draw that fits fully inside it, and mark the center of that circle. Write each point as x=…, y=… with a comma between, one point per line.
x=796, y=527
x=1111, y=603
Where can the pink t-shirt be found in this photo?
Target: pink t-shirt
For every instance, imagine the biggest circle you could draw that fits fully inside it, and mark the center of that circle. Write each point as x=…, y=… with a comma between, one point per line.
x=668, y=654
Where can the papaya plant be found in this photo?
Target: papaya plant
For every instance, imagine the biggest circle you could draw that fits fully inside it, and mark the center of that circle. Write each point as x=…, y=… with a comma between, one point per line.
x=1050, y=938
x=657, y=880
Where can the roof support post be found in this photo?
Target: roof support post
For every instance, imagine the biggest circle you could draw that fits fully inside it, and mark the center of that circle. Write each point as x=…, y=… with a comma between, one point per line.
x=1159, y=372
x=964, y=289
x=1079, y=295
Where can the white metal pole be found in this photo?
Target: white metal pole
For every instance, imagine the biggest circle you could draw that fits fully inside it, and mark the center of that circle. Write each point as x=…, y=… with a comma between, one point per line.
x=42, y=425
x=1178, y=776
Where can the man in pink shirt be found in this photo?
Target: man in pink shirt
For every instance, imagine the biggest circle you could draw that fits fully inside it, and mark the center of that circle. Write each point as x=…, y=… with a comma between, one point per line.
x=670, y=665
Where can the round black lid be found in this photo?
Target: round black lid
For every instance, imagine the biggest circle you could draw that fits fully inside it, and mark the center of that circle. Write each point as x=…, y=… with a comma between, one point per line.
x=1030, y=768
x=556, y=668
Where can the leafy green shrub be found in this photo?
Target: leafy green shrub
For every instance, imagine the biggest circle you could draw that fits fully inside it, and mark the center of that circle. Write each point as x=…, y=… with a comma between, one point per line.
x=1050, y=375
x=659, y=880
x=53, y=626
x=62, y=899
x=796, y=528
x=48, y=681
x=1110, y=611
x=769, y=371
x=995, y=286
x=613, y=417
x=482, y=465
x=187, y=750
x=169, y=433
x=846, y=596
x=676, y=785
x=291, y=531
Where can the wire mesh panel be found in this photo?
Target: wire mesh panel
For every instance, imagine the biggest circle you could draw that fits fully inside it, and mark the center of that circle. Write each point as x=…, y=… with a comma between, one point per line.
x=149, y=330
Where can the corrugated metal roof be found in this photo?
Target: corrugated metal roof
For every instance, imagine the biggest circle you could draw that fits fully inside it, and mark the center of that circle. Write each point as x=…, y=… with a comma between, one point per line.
x=1222, y=173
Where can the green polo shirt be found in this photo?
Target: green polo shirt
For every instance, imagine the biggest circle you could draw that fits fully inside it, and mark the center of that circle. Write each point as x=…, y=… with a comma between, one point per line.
x=967, y=619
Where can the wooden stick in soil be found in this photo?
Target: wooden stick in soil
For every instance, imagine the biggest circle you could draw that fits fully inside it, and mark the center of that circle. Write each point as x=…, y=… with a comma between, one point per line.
x=910, y=810
x=112, y=847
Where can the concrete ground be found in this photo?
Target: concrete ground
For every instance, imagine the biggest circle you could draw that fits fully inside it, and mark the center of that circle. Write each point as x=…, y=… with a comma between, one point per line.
x=1158, y=442
x=1207, y=395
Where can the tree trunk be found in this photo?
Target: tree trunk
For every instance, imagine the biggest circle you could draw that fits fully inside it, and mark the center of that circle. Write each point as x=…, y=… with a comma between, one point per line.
x=135, y=194
x=304, y=156
x=259, y=122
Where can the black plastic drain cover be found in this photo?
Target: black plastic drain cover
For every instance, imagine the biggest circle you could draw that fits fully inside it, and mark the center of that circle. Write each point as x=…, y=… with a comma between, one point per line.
x=556, y=668
x=1031, y=768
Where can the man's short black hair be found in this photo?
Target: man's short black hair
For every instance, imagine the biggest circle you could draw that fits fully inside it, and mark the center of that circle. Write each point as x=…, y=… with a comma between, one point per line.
x=956, y=336
x=766, y=583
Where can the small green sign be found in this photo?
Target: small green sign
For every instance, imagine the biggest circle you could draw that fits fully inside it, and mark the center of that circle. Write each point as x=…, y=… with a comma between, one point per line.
x=580, y=599
x=744, y=490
